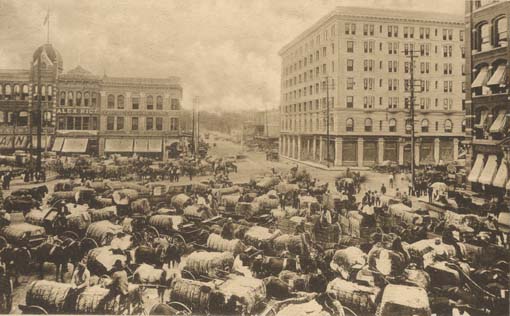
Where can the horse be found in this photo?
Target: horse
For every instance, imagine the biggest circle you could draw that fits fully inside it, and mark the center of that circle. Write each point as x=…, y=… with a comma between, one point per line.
x=20, y=203
x=52, y=251
x=16, y=260
x=159, y=255
x=38, y=192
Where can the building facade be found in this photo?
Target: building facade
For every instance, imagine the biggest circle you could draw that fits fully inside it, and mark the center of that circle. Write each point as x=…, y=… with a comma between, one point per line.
x=358, y=60
x=487, y=95
x=85, y=113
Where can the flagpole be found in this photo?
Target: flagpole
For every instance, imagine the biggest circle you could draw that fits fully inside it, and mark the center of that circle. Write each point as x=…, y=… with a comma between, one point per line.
x=39, y=106
x=48, y=29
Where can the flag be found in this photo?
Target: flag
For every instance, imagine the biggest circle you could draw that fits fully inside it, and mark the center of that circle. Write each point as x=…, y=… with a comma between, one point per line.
x=47, y=18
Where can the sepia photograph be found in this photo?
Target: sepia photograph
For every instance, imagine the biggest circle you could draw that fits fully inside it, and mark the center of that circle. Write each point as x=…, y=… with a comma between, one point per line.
x=255, y=157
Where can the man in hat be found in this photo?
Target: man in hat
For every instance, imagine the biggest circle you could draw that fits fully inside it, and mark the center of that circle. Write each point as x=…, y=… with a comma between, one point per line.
x=6, y=288
x=81, y=277
x=120, y=284
x=227, y=231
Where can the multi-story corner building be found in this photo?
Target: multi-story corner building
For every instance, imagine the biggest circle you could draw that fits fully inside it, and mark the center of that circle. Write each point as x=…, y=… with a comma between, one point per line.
x=487, y=96
x=86, y=113
x=268, y=128
x=363, y=55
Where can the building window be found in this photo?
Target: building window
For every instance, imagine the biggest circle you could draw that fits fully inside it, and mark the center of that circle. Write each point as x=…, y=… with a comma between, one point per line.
x=350, y=46
x=425, y=126
x=448, y=126
x=149, y=124
x=368, y=125
x=350, y=102
x=94, y=99
x=120, y=101
x=392, y=125
x=134, y=123
x=350, y=65
x=24, y=92
x=111, y=101
x=174, y=124
x=70, y=99
x=86, y=123
x=78, y=98
x=159, y=103
x=501, y=32
x=150, y=102
x=95, y=123
x=61, y=123
x=135, y=103
x=159, y=123
x=483, y=40
x=120, y=123
x=86, y=99
x=110, y=123
x=463, y=125
x=350, y=83
x=62, y=98
x=349, y=125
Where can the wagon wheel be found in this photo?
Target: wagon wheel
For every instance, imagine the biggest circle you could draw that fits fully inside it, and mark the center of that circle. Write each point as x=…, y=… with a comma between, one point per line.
x=151, y=233
x=70, y=234
x=3, y=242
x=186, y=273
x=35, y=310
x=183, y=309
x=107, y=239
x=178, y=240
x=88, y=244
x=348, y=311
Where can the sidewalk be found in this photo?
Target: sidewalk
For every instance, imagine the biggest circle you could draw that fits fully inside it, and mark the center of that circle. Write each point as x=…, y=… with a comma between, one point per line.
x=323, y=167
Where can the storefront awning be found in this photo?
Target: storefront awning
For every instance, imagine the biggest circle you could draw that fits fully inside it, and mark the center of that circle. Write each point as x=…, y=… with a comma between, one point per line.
x=141, y=145
x=119, y=145
x=44, y=141
x=75, y=145
x=57, y=144
x=499, y=124
x=477, y=168
x=489, y=171
x=501, y=177
x=481, y=78
x=483, y=118
x=498, y=77
x=155, y=145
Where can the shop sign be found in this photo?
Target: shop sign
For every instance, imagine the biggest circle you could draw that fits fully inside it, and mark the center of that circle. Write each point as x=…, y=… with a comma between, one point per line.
x=6, y=141
x=76, y=111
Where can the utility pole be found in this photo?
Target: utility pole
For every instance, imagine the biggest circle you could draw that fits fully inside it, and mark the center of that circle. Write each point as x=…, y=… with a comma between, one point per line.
x=193, y=127
x=412, y=56
x=326, y=86
x=38, y=112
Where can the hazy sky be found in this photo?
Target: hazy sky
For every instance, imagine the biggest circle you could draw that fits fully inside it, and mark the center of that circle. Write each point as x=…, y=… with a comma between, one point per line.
x=225, y=51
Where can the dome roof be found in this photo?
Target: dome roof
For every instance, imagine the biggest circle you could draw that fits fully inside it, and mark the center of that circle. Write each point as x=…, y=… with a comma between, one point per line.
x=52, y=54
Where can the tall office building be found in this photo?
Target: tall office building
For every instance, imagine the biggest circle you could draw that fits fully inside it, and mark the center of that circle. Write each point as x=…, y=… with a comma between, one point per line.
x=359, y=57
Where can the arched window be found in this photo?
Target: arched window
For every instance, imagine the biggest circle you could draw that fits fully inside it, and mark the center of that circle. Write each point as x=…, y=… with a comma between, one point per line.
x=150, y=102
x=425, y=126
x=62, y=98
x=448, y=126
x=78, y=98
x=368, y=125
x=17, y=92
x=49, y=92
x=22, y=118
x=86, y=99
x=483, y=37
x=111, y=101
x=70, y=98
x=159, y=103
x=24, y=92
x=94, y=99
x=120, y=101
x=501, y=32
x=393, y=125
x=349, y=125
x=47, y=118
x=464, y=125
x=7, y=91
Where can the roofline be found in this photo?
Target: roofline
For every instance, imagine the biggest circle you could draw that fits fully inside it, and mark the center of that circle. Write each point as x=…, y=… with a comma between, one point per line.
x=338, y=13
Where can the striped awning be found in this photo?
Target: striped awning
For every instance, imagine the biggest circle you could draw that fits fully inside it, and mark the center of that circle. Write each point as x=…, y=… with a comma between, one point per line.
x=489, y=171
x=477, y=169
x=75, y=145
x=155, y=145
x=119, y=145
x=141, y=145
x=481, y=78
x=498, y=77
x=499, y=124
x=501, y=177
x=57, y=144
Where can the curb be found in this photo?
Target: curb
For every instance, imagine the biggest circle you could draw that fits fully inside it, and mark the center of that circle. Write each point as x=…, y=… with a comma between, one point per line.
x=323, y=167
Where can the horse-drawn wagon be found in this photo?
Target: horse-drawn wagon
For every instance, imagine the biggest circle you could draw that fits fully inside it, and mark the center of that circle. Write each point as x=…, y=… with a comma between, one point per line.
x=49, y=297
x=22, y=235
x=175, y=227
x=102, y=233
